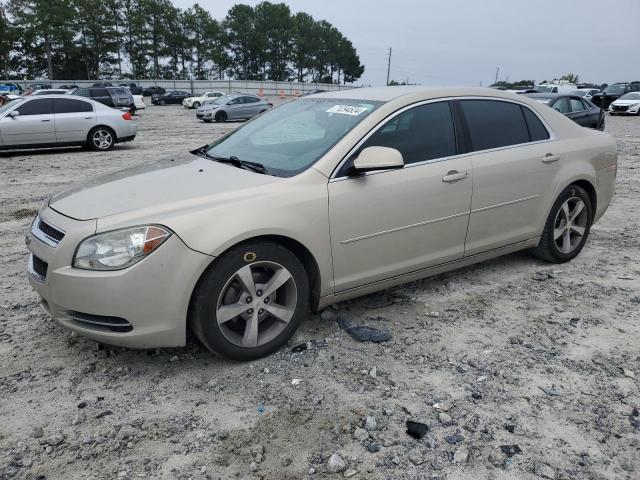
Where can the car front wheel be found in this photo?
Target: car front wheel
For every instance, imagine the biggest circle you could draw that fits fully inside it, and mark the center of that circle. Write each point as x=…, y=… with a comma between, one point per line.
x=567, y=226
x=196, y=105
x=250, y=302
x=221, y=117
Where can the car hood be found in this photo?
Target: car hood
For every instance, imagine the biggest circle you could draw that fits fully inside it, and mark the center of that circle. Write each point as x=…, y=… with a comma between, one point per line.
x=155, y=185
x=625, y=102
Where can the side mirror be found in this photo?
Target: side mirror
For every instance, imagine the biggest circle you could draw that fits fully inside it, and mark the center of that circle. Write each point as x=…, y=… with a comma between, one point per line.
x=14, y=114
x=378, y=158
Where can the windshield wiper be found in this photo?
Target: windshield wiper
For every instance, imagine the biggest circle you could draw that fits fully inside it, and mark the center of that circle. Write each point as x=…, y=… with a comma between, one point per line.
x=236, y=162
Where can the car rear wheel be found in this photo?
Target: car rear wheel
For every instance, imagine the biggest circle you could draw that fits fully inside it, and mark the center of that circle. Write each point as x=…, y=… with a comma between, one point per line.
x=221, y=117
x=162, y=101
x=196, y=105
x=567, y=227
x=101, y=139
x=250, y=302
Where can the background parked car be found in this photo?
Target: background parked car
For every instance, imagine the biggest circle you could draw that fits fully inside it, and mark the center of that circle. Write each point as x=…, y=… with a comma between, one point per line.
x=555, y=88
x=102, y=84
x=170, y=98
x=133, y=88
x=50, y=91
x=138, y=101
x=629, y=103
x=581, y=111
x=115, y=97
x=8, y=88
x=233, y=107
x=39, y=86
x=613, y=92
x=68, y=87
x=62, y=120
x=196, y=101
x=151, y=91
x=585, y=92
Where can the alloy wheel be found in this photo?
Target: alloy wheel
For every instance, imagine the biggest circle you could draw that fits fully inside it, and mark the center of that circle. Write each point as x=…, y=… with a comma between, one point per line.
x=102, y=139
x=570, y=225
x=256, y=304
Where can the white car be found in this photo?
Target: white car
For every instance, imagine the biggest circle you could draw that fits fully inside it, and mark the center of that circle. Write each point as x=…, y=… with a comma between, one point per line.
x=585, y=93
x=62, y=120
x=628, y=103
x=556, y=88
x=138, y=102
x=195, y=102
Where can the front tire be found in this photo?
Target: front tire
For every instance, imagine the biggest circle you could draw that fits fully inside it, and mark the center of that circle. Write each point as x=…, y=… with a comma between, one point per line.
x=567, y=226
x=195, y=105
x=162, y=102
x=221, y=117
x=250, y=302
x=101, y=139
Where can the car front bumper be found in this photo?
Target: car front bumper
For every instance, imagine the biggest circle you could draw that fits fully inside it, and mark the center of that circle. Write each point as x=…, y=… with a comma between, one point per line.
x=204, y=115
x=142, y=306
x=630, y=110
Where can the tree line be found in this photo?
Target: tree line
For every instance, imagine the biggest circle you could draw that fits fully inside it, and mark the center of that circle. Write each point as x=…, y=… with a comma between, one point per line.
x=91, y=39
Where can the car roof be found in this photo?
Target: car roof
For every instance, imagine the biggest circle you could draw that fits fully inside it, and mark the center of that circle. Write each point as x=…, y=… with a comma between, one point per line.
x=550, y=95
x=386, y=94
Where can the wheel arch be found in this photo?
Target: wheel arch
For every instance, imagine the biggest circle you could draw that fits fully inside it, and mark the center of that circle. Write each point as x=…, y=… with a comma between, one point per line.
x=590, y=189
x=103, y=125
x=303, y=254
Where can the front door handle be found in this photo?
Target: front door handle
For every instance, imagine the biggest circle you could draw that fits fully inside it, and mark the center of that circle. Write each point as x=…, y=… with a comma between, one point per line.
x=454, y=176
x=550, y=158
x=47, y=120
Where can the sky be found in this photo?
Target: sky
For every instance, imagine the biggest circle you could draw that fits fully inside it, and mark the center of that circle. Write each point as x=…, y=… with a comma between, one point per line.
x=463, y=42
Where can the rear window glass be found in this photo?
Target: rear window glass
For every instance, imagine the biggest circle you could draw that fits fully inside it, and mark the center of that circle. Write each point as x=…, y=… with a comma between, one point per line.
x=64, y=105
x=536, y=128
x=494, y=123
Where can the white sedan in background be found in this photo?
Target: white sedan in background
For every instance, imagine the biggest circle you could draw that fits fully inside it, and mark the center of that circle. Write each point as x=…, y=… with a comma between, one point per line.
x=138, y=102
x=628, y=103
x=61, y=121
x=195, y=102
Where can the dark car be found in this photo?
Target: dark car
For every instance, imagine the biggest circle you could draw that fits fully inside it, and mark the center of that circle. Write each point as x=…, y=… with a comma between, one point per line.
x=115, y=97
x=135, y=89
x=614, y=92
x=578, y=109
x=151, y=91
x=102, y=84
x=68, y=87
x=173, y=97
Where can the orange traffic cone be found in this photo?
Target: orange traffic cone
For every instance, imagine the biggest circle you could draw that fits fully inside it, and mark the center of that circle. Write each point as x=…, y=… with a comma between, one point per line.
x=282, y=94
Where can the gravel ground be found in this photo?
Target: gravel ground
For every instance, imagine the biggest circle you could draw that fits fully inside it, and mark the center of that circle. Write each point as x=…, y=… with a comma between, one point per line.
x=517, y=374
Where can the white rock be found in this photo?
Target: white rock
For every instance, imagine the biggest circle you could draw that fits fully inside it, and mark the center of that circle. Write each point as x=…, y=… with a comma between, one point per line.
x=545, y=471
x=336, y=464
x=461, y=455
x=370, y=423
x=296, y=381
x=445, y=419
x=349, y=473
x=628, y=373
x=373, y=372
x=360, y=434
x=443, y=406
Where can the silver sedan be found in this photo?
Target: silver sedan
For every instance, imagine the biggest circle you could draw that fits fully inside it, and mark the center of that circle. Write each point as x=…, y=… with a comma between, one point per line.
x=233, y=107
x=60, y=120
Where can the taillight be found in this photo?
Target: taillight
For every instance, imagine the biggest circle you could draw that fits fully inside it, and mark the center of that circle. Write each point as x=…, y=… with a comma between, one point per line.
x=127, y=116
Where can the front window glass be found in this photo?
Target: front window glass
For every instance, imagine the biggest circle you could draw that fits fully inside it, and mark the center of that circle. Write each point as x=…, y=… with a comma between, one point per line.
x=10, y=104
x=292, y=137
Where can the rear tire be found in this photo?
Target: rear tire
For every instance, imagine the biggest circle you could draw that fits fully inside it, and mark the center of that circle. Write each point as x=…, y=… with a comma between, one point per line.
x=221, y=117
x=567, y=226
x=162, y=102
x=250, y=302
x=101, y=139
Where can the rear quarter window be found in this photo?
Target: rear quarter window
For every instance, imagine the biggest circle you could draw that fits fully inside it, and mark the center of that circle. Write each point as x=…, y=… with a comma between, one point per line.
x=494, y=123
x=537, y=130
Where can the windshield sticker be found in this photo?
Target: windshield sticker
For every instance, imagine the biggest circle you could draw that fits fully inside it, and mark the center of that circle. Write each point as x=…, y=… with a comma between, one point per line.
x=347, y=109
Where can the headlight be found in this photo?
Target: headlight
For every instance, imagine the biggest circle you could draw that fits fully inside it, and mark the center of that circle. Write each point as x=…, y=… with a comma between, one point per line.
x=119, y=249
x=634, y=105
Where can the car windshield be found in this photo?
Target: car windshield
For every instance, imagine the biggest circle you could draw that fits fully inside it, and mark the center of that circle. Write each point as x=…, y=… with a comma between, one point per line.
x=630, y=96
x=544, y=88
x=10, y=104
x=614, y=89
x=292, y=137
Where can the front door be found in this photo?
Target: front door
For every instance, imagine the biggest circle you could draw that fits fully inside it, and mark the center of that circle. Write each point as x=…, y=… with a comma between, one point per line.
x=515, y=162
x=33, y=126
x=392, y=222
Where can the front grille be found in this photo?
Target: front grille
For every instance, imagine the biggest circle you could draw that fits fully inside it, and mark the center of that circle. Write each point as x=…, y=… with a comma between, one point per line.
x=50, y=231
x=40, y=267
x=620, y=108
x=100, y=322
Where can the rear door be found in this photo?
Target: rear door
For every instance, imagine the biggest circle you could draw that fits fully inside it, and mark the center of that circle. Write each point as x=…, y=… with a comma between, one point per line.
x=34, y=125
x=234, y=108
x=579, y=112
x=515, y=163
x=73, y=119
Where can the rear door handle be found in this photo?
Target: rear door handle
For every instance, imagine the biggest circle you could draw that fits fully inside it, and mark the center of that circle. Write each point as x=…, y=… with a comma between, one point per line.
x=550, y=158
x=454, y=176
x=47, y=120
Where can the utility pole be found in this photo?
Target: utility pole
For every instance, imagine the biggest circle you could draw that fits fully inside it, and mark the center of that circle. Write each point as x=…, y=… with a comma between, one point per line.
x=497, y=71
x=389, y=66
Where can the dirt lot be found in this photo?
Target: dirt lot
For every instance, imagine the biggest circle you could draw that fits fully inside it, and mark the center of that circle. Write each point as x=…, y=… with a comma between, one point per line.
x=548, y=368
